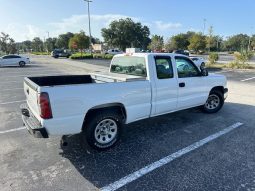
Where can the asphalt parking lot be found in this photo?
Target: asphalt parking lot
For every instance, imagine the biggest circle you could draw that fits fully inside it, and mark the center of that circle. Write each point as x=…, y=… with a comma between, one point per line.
x=186, y=150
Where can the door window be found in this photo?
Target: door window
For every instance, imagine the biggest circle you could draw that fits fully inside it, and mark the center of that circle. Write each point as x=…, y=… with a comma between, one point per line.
x=186, y=68
x=164, y=67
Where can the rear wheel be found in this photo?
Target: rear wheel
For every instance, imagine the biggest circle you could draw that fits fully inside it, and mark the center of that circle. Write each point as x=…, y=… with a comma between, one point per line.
x=214, y=102
x=22, y=63
x=103, y=130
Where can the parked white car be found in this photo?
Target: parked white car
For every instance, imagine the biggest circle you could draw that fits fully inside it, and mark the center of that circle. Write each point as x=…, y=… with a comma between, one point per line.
x=138, y=86
x=199, y=61
x=14, y=60
x=113, y=51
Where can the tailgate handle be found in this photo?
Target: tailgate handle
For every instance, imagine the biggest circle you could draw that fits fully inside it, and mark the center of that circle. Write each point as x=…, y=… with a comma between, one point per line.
x=182, y=84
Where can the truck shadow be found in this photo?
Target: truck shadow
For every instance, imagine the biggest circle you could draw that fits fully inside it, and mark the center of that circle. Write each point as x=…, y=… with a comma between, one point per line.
x=147, y=141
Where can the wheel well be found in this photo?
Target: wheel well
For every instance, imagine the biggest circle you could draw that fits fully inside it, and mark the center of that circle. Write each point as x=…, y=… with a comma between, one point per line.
x=218, y=88
x=117, y=107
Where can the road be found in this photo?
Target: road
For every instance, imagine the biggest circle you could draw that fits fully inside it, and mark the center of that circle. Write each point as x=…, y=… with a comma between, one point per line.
x=160, y=150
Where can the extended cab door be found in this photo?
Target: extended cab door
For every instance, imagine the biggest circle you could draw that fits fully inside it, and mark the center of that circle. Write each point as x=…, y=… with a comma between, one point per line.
x=191, y=85
x=165, y=86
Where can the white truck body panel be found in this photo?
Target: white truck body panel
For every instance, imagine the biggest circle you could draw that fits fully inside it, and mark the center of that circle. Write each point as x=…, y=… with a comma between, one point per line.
x=142, y=97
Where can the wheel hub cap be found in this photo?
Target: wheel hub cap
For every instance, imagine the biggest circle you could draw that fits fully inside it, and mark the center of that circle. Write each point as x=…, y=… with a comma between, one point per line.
x=106, y=131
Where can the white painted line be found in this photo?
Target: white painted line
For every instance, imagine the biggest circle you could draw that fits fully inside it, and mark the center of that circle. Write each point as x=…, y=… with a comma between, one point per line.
x=143, y=171
x=10, y=102
x=12, y=130
x=247, y=79
x=29, y=75
x=223, y=71
x=2, y=90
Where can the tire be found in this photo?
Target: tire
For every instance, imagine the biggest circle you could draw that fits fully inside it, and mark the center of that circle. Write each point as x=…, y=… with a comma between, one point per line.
x=56, y=56
x=22, y=63
x=214, y=102
x=103, y=129
x=202, y=65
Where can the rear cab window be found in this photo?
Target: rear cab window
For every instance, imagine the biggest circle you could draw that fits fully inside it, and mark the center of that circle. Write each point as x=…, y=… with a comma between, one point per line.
x=130, y=65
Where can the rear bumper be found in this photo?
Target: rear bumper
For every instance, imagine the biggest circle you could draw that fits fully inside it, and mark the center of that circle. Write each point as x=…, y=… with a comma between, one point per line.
x=32, y=124
x=225, y=93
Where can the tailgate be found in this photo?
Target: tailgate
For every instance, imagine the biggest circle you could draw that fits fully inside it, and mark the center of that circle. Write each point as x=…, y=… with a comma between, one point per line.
x=30, y=89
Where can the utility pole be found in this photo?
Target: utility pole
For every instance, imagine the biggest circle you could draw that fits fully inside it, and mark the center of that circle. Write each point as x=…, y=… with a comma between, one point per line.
x=90, y=38
x=204, y=26
x=48, y=34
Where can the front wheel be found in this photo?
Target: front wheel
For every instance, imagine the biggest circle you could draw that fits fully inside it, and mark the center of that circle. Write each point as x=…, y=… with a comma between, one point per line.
x=214, y=102
x=22, y=64
x=103, y=130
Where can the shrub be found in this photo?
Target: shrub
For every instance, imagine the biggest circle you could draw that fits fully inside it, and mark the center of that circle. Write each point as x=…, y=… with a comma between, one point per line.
x=213, y=58
x=41, y=53
x=238, y=65
x=243, y=56
x=81, y=56
x=108, y=56
x=103, y=56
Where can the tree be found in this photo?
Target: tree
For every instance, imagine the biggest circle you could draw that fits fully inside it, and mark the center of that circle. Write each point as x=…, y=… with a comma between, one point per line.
x=4, y=38
x=209, y=38
x=197, y=42
x=126, y=33
x=157, y=43
x=37, y=45
x=79, y=41
x=63, y=40
x=11, y=46
x=50, y=44
x=238, y=42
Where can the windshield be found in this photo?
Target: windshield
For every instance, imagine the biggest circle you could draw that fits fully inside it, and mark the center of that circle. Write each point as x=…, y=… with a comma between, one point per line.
x=131, y=65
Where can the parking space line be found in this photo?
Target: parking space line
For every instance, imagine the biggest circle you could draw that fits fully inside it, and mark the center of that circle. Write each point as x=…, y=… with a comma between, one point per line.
x=223, y=71
x=151, y=167
x=247, y=79
x=10, y=102
x=12, y=130
x=36, y=75
x=2, y=90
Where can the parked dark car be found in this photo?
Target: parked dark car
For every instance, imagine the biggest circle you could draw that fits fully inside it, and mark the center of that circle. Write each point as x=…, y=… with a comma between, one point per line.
x=183, y=52
x=60, y=53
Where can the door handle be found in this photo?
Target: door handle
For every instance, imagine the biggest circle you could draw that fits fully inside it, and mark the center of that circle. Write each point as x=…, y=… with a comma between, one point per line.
x=182, y=84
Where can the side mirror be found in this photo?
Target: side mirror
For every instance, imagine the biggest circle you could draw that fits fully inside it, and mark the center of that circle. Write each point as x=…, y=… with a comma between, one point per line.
x=204, y=71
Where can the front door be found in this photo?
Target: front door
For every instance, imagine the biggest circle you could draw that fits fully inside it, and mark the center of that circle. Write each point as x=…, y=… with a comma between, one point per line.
x=191, y=85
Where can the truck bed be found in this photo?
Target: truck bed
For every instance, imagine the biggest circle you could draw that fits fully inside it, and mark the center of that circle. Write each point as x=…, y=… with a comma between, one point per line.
x=43, y=81
x=61, y=80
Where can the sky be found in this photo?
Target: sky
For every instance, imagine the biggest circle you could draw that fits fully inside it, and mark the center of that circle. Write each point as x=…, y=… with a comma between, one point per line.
x=26, y=19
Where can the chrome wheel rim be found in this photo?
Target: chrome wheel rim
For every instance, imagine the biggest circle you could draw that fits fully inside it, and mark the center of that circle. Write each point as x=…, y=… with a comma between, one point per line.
x=212, y=102
x=106, y=131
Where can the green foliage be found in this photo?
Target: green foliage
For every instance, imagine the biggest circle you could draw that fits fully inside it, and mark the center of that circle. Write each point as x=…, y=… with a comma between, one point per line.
x=41, y=53
x=237, y=65
x=243, y=56
x=50, y=44
x=37, y=45
x=213, y=58
x=79, y=42
x=125, y=33
x=63, y=40
x=103, y=56
x=157, y=43
x=197, y=42
x=237, y=42
x=81, y=56
x=7, y=44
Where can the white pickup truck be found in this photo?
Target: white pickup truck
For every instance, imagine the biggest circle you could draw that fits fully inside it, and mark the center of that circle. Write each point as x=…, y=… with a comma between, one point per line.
x=137, y=86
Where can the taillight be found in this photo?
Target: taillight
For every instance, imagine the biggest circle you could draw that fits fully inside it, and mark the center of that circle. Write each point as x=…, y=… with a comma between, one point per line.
x=44, y=105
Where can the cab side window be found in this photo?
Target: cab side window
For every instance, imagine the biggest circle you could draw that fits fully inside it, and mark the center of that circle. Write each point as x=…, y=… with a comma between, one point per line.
x=164, y=67
x=186, y=68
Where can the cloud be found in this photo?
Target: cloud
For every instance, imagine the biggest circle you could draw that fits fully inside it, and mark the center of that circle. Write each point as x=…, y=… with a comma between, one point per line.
x=76, y=23
x=22, y=32
x=162, y=26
